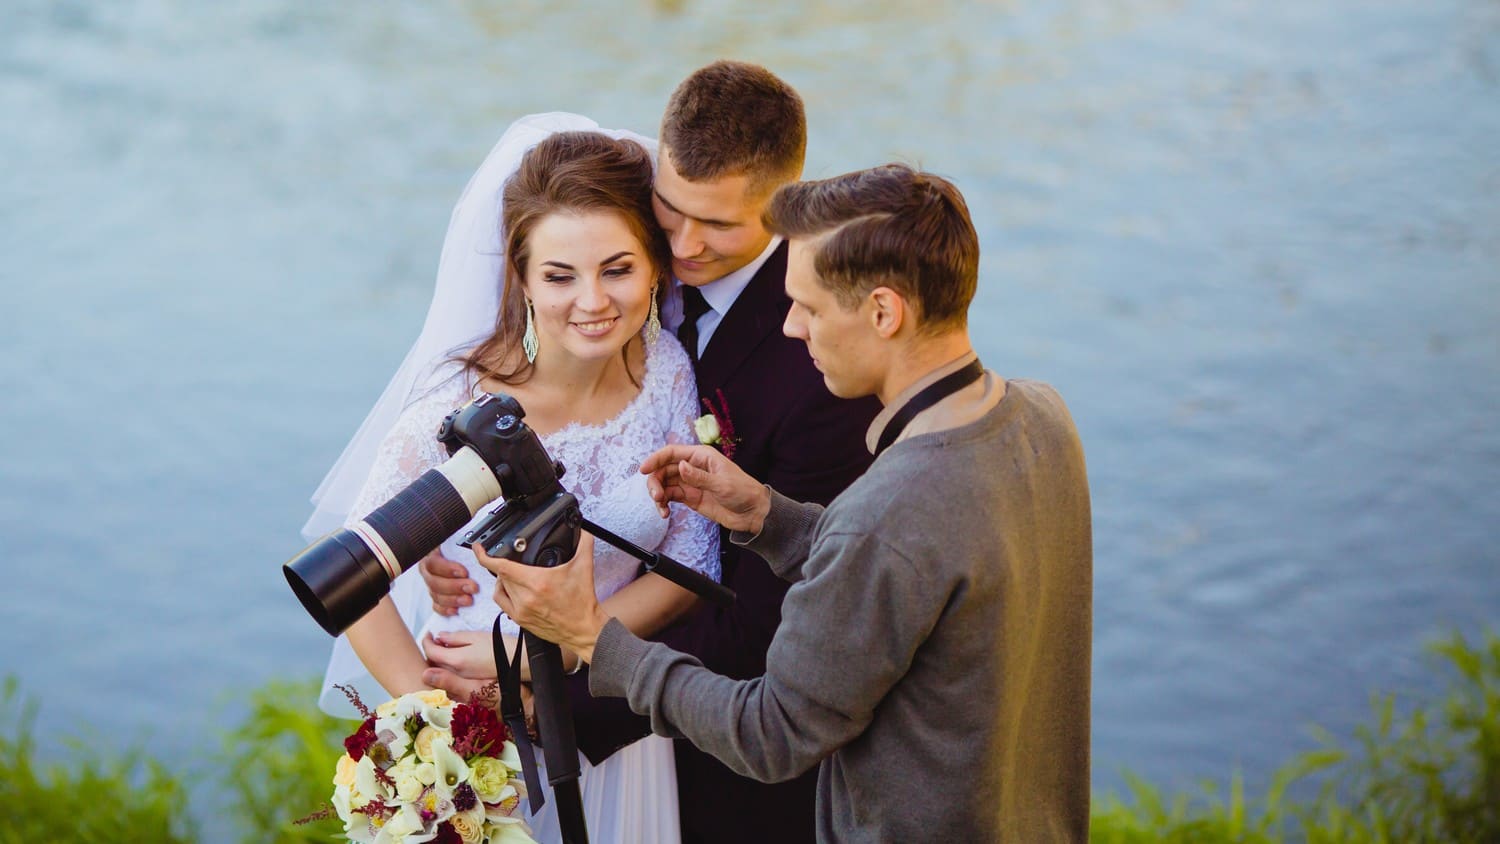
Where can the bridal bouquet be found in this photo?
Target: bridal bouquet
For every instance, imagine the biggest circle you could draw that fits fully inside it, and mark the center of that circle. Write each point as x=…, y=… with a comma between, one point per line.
x=421, y=768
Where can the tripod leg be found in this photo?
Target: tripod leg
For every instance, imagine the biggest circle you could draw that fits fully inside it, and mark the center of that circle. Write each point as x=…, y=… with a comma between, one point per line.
x=554, y=719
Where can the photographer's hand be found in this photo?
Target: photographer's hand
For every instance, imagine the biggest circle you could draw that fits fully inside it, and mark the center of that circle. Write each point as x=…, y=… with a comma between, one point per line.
x=707, y=481
x=557, y=604
x=448, y=583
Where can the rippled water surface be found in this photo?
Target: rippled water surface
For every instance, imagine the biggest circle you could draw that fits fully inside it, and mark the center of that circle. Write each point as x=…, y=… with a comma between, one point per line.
x=1256, y=246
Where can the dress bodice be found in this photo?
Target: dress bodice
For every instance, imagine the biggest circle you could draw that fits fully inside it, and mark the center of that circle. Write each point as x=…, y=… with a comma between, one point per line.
x=602, y=470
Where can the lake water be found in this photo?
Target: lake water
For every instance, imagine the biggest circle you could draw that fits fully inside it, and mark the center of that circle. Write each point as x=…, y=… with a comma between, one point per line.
x=1256, y=246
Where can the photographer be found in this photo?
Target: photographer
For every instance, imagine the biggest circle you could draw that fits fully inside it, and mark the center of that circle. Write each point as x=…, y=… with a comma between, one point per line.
x=934, y=649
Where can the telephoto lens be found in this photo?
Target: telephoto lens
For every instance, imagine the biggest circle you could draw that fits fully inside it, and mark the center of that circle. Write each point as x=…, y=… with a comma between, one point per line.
x=344, y=575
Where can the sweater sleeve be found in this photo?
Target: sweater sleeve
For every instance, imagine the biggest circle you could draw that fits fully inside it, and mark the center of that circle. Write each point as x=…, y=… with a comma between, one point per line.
x=786, y=536
x=849, y=632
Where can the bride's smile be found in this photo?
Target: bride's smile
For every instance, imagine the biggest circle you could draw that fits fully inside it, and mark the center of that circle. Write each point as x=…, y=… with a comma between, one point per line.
x=597, y=328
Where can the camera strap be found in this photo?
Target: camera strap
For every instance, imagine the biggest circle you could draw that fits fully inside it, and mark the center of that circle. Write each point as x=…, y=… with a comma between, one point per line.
x=513, y=713
x=929, y=396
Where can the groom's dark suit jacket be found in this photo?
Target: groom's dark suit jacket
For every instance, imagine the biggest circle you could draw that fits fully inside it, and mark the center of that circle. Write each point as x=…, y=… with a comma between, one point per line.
x=794, y=435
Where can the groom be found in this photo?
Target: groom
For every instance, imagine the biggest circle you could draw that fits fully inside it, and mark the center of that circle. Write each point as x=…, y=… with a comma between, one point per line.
x=732, y=134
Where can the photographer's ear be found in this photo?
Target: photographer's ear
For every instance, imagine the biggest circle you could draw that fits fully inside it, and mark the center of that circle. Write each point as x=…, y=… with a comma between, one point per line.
x=888, y=311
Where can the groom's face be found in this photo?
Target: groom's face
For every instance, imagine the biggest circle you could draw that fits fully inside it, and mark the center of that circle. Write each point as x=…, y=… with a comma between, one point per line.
x=714, y=226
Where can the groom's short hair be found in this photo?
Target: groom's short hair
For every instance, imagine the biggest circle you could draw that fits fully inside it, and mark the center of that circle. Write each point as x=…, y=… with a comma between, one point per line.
x=735, y=118
x=889, y=226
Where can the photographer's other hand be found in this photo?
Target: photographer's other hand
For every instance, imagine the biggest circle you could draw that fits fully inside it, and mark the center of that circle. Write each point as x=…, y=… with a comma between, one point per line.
x=557, y=604
x=705, y=480
x=448, y=583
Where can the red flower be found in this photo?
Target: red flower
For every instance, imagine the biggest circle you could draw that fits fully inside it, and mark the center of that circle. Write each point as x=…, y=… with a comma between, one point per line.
x=376, y=809
x=476, y=729
x=360, y=742
x=446, y=834
x=727, y=439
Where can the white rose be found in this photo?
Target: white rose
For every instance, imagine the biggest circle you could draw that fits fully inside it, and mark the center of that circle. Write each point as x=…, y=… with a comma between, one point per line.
x=408, y=787
x=707, y=429
x=427, y=773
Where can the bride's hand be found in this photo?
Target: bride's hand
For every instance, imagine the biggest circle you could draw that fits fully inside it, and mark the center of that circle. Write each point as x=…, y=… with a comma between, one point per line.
x=467, y=654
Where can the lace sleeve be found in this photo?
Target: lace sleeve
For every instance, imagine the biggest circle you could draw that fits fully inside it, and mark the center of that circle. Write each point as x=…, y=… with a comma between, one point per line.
x=410, y=449
x=691, y=539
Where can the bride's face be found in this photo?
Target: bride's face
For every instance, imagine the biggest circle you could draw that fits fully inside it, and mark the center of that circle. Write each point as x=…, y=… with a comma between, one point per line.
x=589, y=279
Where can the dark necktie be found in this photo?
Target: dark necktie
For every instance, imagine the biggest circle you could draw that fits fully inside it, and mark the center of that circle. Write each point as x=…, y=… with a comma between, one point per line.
x=693, y=306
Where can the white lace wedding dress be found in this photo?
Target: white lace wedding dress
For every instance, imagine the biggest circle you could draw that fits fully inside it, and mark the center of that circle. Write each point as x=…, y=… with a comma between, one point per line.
x=632, y=795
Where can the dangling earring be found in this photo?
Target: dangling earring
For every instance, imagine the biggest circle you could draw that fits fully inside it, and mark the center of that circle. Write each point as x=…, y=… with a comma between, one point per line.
x=529, y=339
x=653, y=322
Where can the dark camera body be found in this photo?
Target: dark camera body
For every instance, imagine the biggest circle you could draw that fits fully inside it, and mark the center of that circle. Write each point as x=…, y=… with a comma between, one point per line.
x=539, y=522
x=492, y=453
x=491, y=425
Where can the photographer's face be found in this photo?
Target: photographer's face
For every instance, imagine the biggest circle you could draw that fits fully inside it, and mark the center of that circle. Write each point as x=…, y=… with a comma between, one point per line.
x=843, y=345
x=589, y=280
x=714, y=226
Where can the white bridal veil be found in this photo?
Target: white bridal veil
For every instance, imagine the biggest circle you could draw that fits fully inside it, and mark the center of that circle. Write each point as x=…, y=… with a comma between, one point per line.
x=465, y=300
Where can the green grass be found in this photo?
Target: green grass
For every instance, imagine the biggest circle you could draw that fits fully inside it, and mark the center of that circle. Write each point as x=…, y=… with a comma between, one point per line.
x=280, y=762
x=1431, y=774
x=86, y=798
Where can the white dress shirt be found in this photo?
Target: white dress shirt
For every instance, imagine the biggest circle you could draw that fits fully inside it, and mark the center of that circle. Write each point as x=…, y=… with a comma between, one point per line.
x=720, y=294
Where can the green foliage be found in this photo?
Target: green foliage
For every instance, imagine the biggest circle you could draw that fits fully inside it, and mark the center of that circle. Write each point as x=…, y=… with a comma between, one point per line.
x=1432, y=776
x=91, y=798
x=279, y=765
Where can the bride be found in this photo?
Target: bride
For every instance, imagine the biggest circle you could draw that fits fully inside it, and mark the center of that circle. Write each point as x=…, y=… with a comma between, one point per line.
x=571, y=275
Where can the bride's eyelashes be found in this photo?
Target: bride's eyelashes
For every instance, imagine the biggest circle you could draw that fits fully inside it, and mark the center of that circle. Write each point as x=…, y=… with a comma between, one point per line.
x=621, y=271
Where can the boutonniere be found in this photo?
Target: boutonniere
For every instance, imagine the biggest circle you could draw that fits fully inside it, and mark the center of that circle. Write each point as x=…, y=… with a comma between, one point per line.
x=715, y=427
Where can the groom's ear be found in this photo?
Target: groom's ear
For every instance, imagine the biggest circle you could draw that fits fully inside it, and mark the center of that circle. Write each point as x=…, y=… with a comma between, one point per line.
x=887, y=311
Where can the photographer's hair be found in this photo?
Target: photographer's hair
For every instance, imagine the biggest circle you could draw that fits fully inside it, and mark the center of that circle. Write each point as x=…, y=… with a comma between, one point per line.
x=569, y=172
x=889, y=226
x=732, y=119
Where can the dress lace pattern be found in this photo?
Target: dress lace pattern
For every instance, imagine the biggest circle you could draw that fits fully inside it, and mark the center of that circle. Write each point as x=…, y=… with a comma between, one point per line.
x=602, y=463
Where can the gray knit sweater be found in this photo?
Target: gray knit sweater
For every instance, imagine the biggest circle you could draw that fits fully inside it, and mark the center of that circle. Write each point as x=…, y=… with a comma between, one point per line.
x=933, y=653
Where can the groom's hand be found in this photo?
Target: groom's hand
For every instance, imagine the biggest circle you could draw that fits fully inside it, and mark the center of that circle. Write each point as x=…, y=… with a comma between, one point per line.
x=556, y=603
x=448, y=583
x=705, y=480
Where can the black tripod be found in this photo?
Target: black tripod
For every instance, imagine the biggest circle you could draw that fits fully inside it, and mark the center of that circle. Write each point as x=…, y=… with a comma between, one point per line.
x=547, y=535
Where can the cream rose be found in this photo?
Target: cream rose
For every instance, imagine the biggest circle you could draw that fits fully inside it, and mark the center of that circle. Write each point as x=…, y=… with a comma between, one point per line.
x=344, y=773
x=707, y=429
x=433, y=697
x=425, y=737
x=470, y=830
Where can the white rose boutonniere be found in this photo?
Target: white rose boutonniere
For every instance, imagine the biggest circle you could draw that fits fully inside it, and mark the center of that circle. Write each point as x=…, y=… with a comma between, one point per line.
x=707, y=429
x=715, y=428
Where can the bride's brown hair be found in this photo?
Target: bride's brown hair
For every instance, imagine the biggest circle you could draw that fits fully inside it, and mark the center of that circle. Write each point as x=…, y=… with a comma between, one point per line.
x=569, y=172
